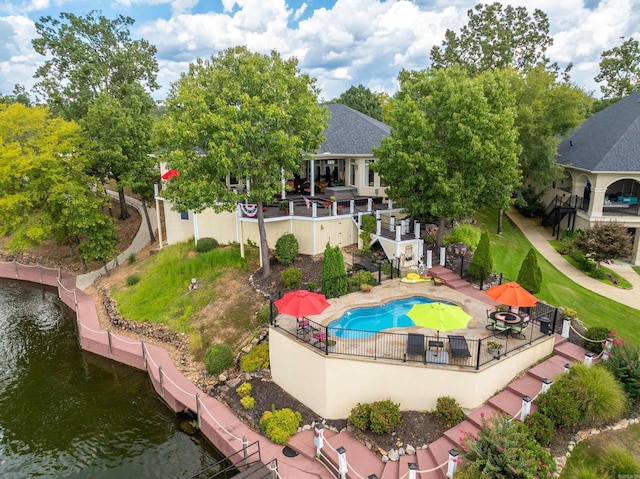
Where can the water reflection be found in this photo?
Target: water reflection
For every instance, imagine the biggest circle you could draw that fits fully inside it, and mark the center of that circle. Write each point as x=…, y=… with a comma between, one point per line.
x=66, y=413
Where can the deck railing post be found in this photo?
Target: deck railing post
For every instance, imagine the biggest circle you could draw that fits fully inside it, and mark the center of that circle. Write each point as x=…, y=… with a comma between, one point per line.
x=318, y=439
x=588, y=358
x=566, y=327
x=429, y=259
x=412, y=470
x=443, y=256
x=526, y=407
x=546, y=385
x=453, y=463
x=416, y=230
x=342, y=462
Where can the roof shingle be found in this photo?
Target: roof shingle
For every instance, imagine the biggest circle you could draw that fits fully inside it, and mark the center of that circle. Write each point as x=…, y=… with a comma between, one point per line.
x=351, y=132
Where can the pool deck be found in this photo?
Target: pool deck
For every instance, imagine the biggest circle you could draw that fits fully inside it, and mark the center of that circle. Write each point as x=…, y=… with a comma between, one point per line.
x=390, y=290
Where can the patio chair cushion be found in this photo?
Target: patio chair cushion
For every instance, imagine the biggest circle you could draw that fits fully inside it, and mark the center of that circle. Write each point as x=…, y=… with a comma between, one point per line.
x=415, y=343
x=458, y=346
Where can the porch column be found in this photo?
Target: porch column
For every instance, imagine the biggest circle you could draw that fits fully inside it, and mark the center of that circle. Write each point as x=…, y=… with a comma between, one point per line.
x=635, y=251
x=596, y=201
x=312, y=178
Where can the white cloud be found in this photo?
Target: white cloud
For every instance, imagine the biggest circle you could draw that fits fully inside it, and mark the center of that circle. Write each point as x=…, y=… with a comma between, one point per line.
x=352, y=42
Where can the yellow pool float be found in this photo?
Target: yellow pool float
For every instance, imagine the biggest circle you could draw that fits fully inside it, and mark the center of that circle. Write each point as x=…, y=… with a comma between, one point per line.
x=413, y=278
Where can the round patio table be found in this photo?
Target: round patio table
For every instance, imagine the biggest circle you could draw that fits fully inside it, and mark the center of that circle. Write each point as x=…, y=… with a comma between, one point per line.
x=510, y=319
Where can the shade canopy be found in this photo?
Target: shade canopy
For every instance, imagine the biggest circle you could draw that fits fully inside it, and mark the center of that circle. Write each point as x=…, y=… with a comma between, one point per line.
x=512, y=294
x=439, y=316
x=301, y=303
x=170, y=174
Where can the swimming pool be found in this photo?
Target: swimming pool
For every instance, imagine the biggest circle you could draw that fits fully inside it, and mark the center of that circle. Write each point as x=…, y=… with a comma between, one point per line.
x=358, y=323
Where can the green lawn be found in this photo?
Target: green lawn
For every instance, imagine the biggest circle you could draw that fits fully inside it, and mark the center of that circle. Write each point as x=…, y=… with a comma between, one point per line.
x=509, y=250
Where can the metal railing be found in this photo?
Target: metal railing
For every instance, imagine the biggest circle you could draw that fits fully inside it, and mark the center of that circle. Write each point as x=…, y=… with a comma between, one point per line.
x=228, y=467
x=441, y=349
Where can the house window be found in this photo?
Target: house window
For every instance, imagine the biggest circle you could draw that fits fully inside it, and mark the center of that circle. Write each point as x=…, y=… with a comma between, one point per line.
x=352, y=172
x=184, y=215
x=368, y=173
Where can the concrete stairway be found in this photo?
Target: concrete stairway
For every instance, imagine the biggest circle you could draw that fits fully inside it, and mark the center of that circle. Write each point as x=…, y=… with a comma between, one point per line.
x=509, y=401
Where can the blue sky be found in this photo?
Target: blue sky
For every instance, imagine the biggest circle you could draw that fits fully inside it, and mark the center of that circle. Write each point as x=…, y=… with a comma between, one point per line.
x=339, y=42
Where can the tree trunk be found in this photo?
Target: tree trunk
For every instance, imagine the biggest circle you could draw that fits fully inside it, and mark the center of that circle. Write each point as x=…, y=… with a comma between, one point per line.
x=441, y=226
x=124, y=212
x=146, y=215
x=109, y=200
x=500, y=217
x=264, y=246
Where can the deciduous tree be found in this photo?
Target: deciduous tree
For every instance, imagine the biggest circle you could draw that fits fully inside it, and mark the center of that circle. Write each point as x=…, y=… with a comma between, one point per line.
x=453, y=146
x=90, y=57
x=494, y=38
x=241, y=114
x=605, y=242
x=363, y=100
x=620, y=69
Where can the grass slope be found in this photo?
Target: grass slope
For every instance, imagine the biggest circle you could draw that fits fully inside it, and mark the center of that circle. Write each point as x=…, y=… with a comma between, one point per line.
x=163, y=295
x=509, y=250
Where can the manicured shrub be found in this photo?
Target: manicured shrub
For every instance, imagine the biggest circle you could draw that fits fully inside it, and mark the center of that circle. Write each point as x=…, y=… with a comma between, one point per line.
x=264, y=313
x=280, y=424
x=360, y=277
x=244, y=390
x=218, y=358
x=597, y=393
x=481, y=262
x=540, y=427
x=334, y=273
x=464, y=233
x=312, y=286
x=359, y=416
x=248, y=402
x=624, y=363
x=256, y=359
x=368, y=224
x=133, y=279
x=504, y=448
x=287, y=249
x=384, y=417
x=596, y=333
x=380, y=417
x=558, y=405
x=206, y=244
x=449, y=411
x=530, y=275
x=618, y=462
x=291, y=278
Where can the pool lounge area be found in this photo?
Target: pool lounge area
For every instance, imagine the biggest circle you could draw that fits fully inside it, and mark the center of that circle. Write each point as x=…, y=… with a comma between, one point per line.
x=331, y=370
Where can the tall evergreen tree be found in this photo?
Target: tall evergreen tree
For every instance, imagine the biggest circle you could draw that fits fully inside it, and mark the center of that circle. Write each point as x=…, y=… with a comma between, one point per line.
x=482, y=263
x=530, y=275
x=334, y=273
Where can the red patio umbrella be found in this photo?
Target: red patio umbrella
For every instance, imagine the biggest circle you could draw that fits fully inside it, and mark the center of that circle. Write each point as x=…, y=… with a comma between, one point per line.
x=301, y=303
x=170, y=174
x=512, y=294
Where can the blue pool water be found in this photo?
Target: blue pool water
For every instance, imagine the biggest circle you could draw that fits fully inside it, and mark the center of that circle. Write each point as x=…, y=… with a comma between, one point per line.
x=369, y=320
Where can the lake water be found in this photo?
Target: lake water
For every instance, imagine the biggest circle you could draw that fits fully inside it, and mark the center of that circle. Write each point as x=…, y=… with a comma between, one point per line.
x=67, y=413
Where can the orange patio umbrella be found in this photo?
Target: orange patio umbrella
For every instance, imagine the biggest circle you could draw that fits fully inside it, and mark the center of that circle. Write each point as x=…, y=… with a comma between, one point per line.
x=301, y=303
x=512, y=294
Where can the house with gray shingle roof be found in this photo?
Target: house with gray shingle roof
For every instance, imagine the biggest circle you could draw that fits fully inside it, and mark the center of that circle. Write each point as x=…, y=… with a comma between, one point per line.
x=324, y=202
x=602, y=170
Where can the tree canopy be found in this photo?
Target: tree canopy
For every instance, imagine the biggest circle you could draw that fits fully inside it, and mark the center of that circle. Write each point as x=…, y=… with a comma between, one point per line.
x=89, y=55
x=242, y=114
x=362, y=99
x=98, y=75
x=44, y=189
x=620, y=69
x=453, y=145
x=604, y=242
x=494, y=38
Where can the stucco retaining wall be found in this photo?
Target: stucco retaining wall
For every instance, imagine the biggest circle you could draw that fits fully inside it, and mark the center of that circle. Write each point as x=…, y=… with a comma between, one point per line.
x=332, y=385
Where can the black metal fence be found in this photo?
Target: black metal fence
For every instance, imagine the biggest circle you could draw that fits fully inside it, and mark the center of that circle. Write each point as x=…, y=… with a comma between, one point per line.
x=441, y=349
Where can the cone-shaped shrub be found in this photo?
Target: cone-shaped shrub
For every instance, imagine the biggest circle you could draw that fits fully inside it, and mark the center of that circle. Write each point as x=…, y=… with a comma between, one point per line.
x=334, y=273
x=530, y=275
x=482, y=262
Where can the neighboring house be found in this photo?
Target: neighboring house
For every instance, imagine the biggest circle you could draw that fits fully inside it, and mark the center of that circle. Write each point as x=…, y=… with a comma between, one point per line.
x=324, y=202
x=602, y=173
